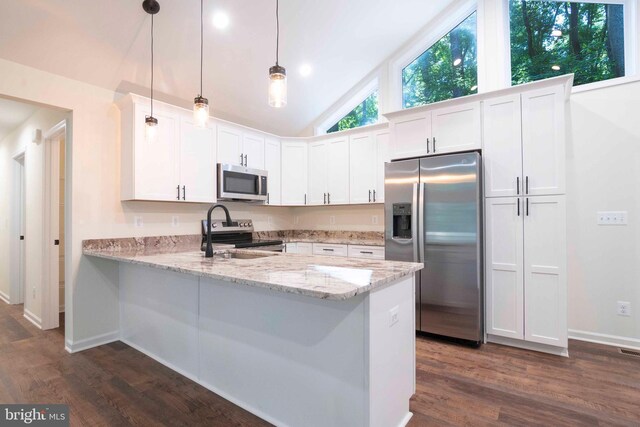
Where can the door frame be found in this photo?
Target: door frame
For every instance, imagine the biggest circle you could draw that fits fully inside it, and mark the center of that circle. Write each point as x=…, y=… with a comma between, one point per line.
x=18, y=205
x=50, y=265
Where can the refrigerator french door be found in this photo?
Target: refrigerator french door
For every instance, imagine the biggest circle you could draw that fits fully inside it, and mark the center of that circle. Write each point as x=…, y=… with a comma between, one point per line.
x=433, y=215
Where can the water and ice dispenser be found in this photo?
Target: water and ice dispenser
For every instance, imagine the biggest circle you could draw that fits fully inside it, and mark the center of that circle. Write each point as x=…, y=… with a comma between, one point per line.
x=402, y=221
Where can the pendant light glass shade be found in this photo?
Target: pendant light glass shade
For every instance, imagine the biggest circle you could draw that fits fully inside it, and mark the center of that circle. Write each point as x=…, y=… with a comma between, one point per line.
x=150, y=128
x=201, y=104
x=277, y=86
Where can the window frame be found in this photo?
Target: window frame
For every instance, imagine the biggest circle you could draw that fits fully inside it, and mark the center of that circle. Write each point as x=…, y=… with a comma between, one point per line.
x=425, y=41
x=360, y=95
x=631, y=54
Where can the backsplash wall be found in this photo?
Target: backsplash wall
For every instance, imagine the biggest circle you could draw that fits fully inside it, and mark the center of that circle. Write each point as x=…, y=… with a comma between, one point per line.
x=349, y=217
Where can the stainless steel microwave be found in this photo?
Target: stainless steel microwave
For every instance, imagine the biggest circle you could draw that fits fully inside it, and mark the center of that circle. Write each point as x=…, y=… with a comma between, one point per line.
x=241, y=183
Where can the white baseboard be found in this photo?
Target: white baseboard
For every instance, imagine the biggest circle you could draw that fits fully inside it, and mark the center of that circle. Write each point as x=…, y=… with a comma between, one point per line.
x=526, y=345
x=4, y=297
x=87, y=343
x=33, y=318
x=406, y=419
x=612, y=340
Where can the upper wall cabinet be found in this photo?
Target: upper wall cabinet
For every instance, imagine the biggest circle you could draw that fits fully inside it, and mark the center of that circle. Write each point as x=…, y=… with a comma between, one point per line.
x=173, y=166
x=239, y=147
x=328, y=179
x=436, y=131
x=294, y=172
x=367, y=154
x=272, y=164
x=524, y=147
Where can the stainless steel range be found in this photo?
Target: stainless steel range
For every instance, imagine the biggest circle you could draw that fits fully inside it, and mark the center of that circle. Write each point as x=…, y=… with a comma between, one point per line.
x=240, y=234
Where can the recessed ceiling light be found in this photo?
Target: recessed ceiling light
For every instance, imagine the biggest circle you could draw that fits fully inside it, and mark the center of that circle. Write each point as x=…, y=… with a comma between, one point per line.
x=457, y=62
x=556, y=33
x=555, y=67
x=305, y=70
x=220, y=20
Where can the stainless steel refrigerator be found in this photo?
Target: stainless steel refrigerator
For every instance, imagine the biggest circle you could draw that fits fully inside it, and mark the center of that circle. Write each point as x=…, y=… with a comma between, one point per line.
x=433, y=214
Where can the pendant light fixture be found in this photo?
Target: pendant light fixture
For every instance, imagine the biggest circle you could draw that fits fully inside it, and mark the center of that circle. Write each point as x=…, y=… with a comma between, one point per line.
x=277, y=73
x=201, y=104
x=151, y=123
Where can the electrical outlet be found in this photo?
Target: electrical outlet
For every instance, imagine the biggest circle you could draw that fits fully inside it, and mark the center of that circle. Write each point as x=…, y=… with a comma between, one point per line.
x=137, y=221
x=612, y=218
x=624, y=308
x=374, y=219
x=332, y=219
x=175, y=221
x=393, y=315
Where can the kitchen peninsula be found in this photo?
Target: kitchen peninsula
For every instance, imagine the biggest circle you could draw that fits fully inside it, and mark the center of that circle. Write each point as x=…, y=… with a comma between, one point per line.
x=294, y=339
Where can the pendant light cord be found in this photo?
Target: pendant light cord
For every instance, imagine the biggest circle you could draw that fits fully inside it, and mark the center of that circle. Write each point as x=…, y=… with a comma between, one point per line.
x=277, y=31
x=201, y=41
x=152, y=65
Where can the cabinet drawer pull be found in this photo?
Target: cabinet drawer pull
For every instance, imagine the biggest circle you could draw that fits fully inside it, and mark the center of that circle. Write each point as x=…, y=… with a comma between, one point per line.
x=327, y=249
x=366, y=252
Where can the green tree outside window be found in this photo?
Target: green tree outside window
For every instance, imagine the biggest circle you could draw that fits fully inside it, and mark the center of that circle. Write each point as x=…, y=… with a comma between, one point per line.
x=365, y=113
x=551, y=38
x=448, y=69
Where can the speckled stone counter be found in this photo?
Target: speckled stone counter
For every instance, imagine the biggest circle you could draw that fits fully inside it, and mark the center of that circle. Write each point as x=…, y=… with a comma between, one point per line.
x=315, y=276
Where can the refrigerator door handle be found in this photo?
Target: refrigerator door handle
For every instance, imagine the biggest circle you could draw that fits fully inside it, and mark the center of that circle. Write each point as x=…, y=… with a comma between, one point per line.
x=421, y=202
x=414, y=221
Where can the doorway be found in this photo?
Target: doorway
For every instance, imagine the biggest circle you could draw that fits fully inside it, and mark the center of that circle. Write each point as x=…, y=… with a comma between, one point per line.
x=18, y=273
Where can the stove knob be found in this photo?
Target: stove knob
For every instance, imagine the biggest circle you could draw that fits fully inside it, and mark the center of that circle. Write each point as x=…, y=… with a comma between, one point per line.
x=214, y=225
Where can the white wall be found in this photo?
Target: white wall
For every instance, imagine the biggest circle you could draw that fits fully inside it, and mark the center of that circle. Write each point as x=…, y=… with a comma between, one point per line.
x=17, y=141
x=349, y=217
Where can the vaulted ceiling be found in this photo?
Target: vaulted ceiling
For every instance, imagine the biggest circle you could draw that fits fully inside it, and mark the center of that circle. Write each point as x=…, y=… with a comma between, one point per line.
x=107, y=44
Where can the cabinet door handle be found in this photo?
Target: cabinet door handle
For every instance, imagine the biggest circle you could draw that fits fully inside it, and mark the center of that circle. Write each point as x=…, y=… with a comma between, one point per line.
x=245, y=160
x=526, y=184
x=434, y=144
x=374, y=195
x=324, y=198
x=427, y=145
x=518, y=206
x=328, y=198
x=518, y=185
x=267, y=197
x=305, y=198
x=184, y=192
x=241, y=160
x=178, y=188
x=527, y=206
x=369, y=196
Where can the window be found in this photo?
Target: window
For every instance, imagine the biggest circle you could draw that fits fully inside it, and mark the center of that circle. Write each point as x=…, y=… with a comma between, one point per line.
x=448, y=69
x=365, y=113
x=550, y=38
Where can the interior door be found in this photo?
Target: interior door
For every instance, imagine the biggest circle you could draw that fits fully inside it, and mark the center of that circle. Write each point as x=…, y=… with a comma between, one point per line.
x=317, y=173
x=502, y=148
x=253, y=149
x=362, y=166
x=337, y=168
x=450, y=288
x=229, y=145
x=197, y=162
x=545, y=270
x=504, y=261
x=543, y=141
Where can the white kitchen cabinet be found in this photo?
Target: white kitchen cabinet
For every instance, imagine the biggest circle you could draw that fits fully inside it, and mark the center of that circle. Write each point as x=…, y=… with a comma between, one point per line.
x=177, y=165
x=197, y=162
x=229, y=145
x=367, y=154
x=457, y=128
x=526, y=285
x=294, y=172
x=545, y=270
x=370, y=252
x=330, y=249
x=329, y=171
x=303, y=248
x=238, y=147
x=543, y=141
x=504, y=272
x=502, y=151
x=272, y=163
x=410, y=135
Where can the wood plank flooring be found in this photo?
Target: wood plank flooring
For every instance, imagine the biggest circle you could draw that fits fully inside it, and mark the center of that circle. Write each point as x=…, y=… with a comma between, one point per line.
x=115, y=385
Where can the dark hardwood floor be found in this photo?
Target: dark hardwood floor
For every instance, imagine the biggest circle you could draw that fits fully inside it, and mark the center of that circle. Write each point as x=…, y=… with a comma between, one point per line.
x=116, y=385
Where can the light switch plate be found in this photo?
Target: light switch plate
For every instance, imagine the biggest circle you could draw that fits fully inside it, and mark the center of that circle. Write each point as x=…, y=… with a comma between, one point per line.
x=137, y=221
x=175, y=221
x=393, y=315
x=612, y=218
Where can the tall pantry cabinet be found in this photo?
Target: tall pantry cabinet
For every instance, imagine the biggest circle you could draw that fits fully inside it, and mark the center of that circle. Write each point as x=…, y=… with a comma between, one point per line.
x=525, y=208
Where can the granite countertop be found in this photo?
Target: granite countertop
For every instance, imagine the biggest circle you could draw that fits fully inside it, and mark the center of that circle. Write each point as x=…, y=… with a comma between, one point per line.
x=325, y=277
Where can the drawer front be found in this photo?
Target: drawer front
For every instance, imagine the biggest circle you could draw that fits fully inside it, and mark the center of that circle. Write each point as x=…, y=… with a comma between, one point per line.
x=291, y=248
x=372, y=252
x=333, y=250
x=304, y=248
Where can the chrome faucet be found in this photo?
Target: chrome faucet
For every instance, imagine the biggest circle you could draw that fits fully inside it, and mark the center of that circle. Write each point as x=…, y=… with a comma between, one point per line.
x=208, y=253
